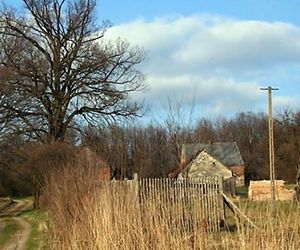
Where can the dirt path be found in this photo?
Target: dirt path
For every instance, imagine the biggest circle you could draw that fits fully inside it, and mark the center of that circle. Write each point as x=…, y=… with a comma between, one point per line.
x=14, y=208
x=19, y=240
x=11, y=210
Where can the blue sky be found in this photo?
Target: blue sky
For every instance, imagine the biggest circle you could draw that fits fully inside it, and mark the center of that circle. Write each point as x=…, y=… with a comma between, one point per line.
x=212, y=55
x=119, y=11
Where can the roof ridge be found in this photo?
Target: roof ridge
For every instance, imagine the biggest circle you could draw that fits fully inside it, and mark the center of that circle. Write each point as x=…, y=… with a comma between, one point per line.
x=207, y=143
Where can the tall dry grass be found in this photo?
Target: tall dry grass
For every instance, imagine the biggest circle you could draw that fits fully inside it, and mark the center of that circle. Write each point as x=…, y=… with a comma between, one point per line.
x=279, y=231
x=86, y=214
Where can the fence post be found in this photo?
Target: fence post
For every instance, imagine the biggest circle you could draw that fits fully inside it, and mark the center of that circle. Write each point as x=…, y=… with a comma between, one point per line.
x=221, y=203
x=233, y=184
x=136, y=183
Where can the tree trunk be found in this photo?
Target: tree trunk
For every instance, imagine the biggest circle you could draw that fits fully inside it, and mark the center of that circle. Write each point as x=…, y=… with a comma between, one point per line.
x=56, y=133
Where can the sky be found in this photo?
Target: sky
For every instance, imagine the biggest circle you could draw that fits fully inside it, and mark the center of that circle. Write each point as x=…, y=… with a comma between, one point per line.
x=211, y=56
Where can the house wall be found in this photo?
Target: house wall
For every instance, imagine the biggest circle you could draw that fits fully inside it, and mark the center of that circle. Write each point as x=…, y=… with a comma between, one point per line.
x=205, y=165
x=239, y=172
x=240, y=181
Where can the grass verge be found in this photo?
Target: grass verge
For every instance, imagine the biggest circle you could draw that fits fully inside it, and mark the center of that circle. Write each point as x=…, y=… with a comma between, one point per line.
x=39, y=226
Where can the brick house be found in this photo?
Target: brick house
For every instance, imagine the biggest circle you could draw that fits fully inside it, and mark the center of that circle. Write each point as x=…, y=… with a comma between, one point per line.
x=226, y=153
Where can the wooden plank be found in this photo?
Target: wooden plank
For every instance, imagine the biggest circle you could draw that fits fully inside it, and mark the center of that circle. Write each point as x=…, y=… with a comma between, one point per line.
x=202, y=203
x=216, y=204
x=213, y=205
x=221, y=202
x=237, y=211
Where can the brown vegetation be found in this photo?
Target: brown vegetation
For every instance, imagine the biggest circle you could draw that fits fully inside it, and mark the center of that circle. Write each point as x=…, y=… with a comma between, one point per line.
x=88, y=216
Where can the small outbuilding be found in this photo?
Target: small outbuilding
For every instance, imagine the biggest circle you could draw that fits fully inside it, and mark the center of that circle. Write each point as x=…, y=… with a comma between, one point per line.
x=226, y=157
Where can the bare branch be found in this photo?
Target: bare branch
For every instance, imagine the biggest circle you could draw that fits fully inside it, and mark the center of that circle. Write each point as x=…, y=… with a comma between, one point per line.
x=62, y=71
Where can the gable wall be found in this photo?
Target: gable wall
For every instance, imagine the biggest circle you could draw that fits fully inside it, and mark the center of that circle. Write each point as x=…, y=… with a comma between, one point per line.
x=206, y=165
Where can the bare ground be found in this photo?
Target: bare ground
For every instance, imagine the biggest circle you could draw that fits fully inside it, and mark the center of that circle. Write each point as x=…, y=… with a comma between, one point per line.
x=19, y=240
x=12, y=209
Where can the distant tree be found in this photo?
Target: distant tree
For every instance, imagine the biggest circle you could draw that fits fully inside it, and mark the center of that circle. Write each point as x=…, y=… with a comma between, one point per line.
x=57, y=71
x=146, y=151
x=205, y=131
x=287, y=144
x=154, y=151
x=298, y=182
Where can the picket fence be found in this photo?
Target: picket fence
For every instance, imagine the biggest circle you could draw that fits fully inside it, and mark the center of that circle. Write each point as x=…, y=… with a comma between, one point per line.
x=185, y=204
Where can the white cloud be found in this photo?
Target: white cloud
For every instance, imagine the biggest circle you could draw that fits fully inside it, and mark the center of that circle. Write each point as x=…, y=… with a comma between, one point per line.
x=248, y=44
x=213, y=42
x=220, y=62
x=286, y=102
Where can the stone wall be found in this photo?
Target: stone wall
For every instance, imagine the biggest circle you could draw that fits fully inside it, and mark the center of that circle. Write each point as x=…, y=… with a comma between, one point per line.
x=240, y=181
x=261, y=191
x=205, y=165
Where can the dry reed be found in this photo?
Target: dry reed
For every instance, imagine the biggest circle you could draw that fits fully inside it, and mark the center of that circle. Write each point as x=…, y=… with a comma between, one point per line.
x=86, y=214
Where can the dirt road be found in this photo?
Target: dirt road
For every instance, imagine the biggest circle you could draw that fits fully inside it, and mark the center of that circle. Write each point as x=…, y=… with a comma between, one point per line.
x=18, y=241
x=14, y=207
x=10, y=211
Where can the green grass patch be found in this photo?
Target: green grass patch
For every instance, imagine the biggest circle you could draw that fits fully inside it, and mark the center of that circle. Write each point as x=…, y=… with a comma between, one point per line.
x=8, y=230
x=290, y=186
x=39, y=226
x=255, y=210
x=23, y=198
x=241, y=191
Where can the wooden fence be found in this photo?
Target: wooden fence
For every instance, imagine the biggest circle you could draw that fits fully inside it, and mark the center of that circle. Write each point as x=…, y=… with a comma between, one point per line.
x=185, y=203
x=229, y=186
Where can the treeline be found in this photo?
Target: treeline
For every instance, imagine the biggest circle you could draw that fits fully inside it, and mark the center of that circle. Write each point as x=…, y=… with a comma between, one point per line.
x=153, y=151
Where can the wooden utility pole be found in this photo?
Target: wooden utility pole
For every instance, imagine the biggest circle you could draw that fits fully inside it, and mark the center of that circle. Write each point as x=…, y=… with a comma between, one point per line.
x=271, y=147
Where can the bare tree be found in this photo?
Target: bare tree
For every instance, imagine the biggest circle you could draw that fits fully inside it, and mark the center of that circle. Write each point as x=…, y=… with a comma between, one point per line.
x=60, y=71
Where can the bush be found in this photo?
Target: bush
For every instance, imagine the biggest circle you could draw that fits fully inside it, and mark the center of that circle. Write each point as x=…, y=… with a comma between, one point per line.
x=15, y=176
